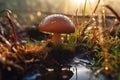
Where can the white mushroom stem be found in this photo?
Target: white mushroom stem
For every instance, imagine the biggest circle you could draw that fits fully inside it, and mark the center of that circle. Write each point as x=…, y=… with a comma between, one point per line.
x=56, y=38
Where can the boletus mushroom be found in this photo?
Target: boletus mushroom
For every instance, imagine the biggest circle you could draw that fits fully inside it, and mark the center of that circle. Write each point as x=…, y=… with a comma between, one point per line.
x=57, y=24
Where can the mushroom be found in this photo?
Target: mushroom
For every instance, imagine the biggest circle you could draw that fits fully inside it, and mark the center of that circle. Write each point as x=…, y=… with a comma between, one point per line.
x=57, y=24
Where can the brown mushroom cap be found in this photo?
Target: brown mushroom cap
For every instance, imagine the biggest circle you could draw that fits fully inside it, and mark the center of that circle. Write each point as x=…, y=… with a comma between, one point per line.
x=57, y=23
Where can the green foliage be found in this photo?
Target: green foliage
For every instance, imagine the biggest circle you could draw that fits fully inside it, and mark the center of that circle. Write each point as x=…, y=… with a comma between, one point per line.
x=119, y=76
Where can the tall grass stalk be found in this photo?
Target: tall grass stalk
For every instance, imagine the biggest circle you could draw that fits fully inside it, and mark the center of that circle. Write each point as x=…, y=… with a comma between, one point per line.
x=90, y=20
x=84, y=11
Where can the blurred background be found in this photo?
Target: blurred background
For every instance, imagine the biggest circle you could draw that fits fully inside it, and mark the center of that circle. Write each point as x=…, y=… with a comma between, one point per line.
x=32, y=11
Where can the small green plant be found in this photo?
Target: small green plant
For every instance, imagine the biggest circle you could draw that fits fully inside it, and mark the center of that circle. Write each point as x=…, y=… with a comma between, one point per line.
x=105, y=43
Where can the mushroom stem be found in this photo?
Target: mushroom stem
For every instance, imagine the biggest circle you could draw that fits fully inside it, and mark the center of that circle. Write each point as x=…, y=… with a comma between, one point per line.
x=56, y=38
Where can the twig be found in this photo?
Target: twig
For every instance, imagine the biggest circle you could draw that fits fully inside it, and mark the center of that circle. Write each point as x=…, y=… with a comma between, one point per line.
x=13, y=28
x=113, y=11
x=7, y=42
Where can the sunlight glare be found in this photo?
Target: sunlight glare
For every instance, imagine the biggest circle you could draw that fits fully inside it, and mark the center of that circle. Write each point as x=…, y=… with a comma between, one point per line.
x=92, y=1
x=77, y=2
x=80, y=1
x=72, y=5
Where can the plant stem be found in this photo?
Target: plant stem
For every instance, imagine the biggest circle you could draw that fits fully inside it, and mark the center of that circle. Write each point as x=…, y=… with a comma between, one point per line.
x=13, y=28
x=91, y=17
x=84, y=10
x=76, y=15
x=113, y=11
x=96, y=7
